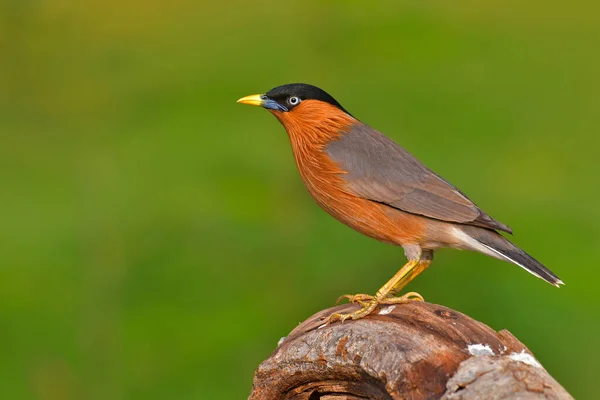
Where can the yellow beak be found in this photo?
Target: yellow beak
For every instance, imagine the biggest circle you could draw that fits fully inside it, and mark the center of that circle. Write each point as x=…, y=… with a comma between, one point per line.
x=253, y=100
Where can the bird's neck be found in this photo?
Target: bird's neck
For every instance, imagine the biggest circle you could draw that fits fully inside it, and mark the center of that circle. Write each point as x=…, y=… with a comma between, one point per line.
x=313, y=124
x=310, y=130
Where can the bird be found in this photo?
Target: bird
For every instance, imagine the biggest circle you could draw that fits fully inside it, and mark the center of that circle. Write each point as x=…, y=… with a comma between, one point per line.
x=371, y=184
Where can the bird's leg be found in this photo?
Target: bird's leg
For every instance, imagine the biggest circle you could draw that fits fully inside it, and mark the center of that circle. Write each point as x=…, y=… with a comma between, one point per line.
x=385, y=294
x=412, y=274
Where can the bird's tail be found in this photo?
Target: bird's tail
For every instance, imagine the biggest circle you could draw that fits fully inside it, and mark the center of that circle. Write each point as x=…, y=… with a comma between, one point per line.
x=493, y=244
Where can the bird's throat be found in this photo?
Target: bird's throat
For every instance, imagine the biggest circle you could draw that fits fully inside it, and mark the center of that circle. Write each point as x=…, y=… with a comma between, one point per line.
x=314, y=123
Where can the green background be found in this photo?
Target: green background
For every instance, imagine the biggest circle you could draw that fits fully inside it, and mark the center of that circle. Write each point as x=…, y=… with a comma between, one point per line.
x=156, y=240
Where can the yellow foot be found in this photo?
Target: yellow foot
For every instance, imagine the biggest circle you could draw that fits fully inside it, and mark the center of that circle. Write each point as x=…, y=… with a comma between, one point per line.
x=360, y=299
x=369, y=303
x=405, y=298
x=366, y=309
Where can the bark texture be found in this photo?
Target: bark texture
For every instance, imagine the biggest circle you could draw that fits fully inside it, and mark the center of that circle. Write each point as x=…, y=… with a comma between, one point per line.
x=410, y=351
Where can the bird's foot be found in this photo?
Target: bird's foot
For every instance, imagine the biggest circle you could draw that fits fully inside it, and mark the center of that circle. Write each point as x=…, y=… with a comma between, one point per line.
x=405, y=298
x=360, y=299
x=367, y=307
x=369, y=303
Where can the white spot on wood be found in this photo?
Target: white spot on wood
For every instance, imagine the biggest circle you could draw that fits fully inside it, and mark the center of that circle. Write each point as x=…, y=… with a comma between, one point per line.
x=387, y=310
x=479, y=350
x=280, y=341
x=322, y=326
x=525, y=358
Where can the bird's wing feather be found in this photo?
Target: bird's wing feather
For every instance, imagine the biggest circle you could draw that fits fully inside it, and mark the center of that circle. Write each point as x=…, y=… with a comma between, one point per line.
x=380, y=170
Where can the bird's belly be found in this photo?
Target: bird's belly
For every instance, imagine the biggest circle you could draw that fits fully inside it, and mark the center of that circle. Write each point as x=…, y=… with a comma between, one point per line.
x=325, y=183
x=372, y=219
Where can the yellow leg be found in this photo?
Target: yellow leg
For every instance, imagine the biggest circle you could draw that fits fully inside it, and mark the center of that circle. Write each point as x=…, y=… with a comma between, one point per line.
x=385, y=295
x=406, y=278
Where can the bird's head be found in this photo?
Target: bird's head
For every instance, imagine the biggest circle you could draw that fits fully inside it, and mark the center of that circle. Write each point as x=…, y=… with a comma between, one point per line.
x=303, y=109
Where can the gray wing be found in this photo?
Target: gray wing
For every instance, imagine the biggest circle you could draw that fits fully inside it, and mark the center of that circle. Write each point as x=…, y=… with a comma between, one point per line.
x=380, y=170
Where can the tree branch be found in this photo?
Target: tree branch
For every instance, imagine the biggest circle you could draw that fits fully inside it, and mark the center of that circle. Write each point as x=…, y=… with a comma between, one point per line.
x=410, y=351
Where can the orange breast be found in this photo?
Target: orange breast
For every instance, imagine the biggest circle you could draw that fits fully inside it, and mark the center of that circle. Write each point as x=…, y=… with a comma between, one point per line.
x=311, y=126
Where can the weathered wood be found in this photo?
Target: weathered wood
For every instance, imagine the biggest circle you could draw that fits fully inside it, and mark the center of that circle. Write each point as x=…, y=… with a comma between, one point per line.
x=411, y=351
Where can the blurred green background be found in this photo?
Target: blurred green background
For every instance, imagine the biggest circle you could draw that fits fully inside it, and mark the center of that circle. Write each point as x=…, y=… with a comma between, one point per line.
x=156, y=239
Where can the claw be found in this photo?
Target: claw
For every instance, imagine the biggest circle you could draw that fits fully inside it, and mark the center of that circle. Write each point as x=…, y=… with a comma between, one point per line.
x=368, y=304
x=337, y=317
x=410, y=296
x=359, y=299
x=345, y=296
x=414, y=296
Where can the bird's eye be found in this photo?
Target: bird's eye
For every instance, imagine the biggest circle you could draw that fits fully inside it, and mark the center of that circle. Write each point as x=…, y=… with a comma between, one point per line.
x=294, y=100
